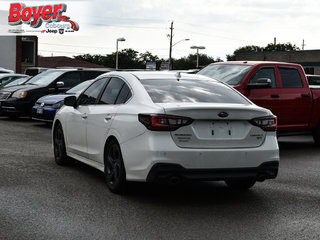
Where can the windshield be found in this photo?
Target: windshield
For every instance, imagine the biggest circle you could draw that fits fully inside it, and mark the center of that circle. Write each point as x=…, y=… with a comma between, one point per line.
x=45, y=78
x=17, y=82
x=231, y=74
x=192, y=91
x=80, y=87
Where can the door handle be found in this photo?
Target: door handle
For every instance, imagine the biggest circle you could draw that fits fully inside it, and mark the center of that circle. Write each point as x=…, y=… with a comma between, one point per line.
x=274, y=96
x=108, y=117
x=84, y=115
x=305, y=95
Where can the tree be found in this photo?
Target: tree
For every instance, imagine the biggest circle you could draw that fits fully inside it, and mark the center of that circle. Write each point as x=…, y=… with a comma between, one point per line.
x=148, y=57
x=270, y=47
x=248, y=48
x=131, y=59
x=127, y=59
x=281, y=47
x=190, y=62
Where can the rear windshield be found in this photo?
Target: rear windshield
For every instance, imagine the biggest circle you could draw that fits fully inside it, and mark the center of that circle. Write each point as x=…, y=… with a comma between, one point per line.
x=231, y=74
x=192, y=91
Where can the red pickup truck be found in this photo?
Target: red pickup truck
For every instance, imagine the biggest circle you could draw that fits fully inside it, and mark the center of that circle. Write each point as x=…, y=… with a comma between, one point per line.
x=281, y=87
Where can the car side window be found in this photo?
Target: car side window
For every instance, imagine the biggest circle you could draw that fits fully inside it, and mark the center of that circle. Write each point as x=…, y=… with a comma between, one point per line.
x=92, y=74
x=124, y=94
x=110, y=94
x=70, y=79
x=5, y=79
x=290, y=77
x=92, y=93
x=264, y=73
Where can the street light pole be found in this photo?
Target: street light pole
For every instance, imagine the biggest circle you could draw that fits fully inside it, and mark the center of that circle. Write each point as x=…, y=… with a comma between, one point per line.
x=197, y=47
x=118, y=40
x=171, y=45
x=170, y=48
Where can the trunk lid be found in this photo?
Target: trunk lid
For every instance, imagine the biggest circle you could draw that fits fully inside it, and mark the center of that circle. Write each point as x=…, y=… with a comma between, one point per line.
x=217, y=125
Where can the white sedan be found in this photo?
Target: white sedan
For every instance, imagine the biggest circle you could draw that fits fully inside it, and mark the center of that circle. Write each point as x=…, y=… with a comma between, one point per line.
x=167, y=127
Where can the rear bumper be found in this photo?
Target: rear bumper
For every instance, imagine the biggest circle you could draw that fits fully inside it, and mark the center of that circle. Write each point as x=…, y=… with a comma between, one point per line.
x=165, y=172
x=143, y=155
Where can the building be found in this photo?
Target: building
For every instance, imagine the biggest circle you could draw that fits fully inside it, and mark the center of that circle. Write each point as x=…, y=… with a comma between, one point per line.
x=61, y=61
x=18, y=52
x=309, y=59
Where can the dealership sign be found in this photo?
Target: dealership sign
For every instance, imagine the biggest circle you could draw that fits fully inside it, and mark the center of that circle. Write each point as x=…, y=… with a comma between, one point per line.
x=34, y=16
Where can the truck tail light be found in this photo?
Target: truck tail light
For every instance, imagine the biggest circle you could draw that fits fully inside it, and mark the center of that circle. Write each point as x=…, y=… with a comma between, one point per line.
x=268, y=123
x=162, y=122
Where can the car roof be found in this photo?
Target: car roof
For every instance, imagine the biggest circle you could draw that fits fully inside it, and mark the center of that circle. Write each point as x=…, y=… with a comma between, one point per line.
x=253, y=63
x=13, y=75
x=66, y=69
x=158, y=75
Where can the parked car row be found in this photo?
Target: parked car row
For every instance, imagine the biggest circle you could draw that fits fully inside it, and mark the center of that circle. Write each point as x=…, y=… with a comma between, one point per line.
x=46, y=107
x=17, y=101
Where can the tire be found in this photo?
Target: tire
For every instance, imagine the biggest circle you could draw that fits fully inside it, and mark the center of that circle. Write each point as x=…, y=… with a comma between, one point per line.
x=59, y=147
x=316, y=135
x=13, y=117
x=240, y=184
x=114, y=169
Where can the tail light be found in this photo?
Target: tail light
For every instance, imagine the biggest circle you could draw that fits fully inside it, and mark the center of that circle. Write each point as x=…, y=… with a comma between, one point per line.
x=162, y=122
x=268, y=123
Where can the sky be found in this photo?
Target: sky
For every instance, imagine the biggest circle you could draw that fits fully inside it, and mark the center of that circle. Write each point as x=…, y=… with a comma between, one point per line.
x=221, y=26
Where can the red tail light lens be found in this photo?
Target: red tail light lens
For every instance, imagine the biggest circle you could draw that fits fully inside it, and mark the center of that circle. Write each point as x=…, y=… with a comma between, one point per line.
x=162, y=122
x=266, y=123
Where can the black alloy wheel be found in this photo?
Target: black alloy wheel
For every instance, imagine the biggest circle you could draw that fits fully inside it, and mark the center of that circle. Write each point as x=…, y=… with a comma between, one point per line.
x=114, y=168
x=59, y=147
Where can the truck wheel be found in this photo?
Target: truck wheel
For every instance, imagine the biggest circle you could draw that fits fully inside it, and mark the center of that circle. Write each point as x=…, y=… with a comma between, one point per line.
x=316, y=135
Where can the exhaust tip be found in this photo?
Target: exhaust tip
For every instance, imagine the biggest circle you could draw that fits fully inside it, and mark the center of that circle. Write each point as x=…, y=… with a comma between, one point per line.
x=174, y=180
x=261, y=177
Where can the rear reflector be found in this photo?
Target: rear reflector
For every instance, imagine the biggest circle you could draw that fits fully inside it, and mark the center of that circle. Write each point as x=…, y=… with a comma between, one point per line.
x=268, y=123
x=162, y=122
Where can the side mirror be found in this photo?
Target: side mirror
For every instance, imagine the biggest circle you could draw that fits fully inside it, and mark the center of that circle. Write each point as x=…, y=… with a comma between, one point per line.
x=70, y=101
x=59, y=84
x=260, y=83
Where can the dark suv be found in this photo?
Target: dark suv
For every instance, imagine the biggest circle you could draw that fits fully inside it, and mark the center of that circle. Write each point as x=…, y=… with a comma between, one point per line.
x=17, y=101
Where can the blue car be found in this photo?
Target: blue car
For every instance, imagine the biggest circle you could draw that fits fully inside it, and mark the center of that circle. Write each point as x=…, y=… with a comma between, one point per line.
x=46, y=107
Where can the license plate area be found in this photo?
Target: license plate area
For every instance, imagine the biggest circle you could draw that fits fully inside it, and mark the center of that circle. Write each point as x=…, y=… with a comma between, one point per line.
x=40, y=110
x=220, y=129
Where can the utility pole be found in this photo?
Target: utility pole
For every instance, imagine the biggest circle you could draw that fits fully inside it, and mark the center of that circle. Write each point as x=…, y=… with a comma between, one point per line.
x=275, y=43
x=303, y=45
x=170, y=49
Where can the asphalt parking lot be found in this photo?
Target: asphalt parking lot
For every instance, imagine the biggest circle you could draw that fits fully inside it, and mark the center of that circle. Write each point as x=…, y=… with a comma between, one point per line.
x=41, y=200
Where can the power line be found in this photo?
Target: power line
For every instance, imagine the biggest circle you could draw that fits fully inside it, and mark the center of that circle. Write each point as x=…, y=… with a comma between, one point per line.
x=128, y=26
x=131, y=19
x=69, y=45
x=99, y=47
x=61, y=51
x=217, y=36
